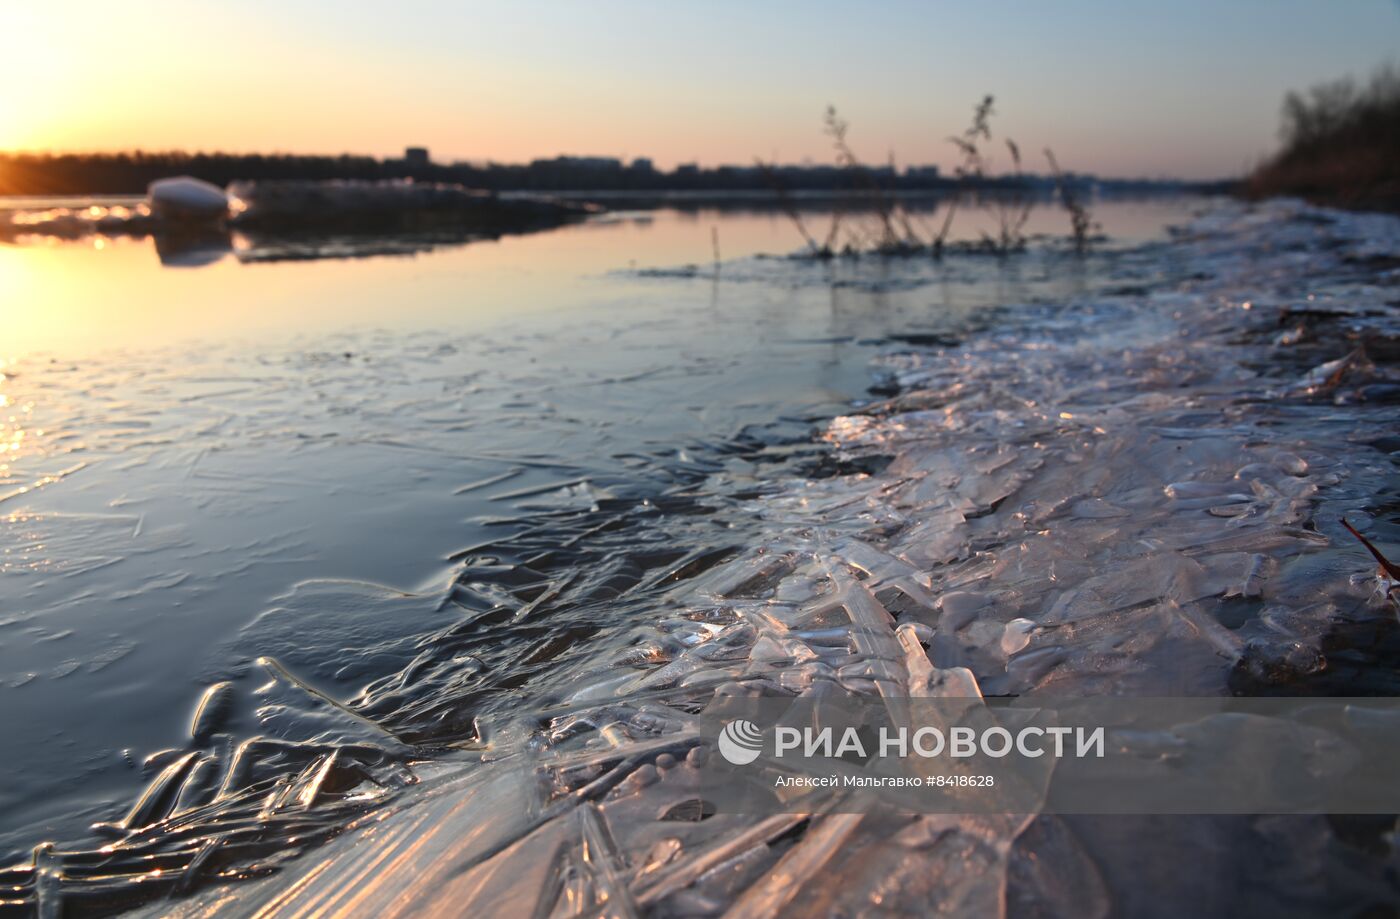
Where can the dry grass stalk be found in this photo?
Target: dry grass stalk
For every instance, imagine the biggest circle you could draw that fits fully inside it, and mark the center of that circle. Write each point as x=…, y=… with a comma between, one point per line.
x=1081, y=222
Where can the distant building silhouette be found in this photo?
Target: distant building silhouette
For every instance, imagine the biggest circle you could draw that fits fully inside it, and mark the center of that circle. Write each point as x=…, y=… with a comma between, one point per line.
x=130, y=173
x=583, y=163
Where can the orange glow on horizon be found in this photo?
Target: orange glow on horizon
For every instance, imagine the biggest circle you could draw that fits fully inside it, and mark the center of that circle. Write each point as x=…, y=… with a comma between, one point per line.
x=630, y=79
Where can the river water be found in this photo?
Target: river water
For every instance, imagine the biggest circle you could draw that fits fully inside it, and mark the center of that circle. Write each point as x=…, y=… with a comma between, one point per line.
x=189, y=442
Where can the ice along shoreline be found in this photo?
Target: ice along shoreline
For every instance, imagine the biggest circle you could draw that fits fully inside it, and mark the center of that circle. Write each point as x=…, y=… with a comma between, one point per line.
x=1135, y=493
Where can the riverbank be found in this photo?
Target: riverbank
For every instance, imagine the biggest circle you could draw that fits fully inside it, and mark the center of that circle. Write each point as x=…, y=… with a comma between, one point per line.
x=198, y=224
x=280, y=420
x=1133, y=491
x=1341, y=146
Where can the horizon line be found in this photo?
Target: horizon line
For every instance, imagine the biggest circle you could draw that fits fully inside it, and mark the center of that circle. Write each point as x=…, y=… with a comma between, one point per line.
x=624, y=161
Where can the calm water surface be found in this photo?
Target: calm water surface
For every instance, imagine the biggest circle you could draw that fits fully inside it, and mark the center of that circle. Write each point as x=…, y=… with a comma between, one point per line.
x=185, y=439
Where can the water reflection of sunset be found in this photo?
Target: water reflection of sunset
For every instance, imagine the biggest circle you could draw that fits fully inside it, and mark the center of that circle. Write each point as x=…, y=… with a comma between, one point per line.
x=97, y=293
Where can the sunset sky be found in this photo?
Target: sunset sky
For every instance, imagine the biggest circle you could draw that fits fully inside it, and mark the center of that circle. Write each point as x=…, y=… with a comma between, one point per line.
x=1119, y=88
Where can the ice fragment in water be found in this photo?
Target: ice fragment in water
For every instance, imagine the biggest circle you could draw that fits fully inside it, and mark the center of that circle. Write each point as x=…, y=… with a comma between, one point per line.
x=187, y=199
x=211, y=712
x=1016, y=635
x=158, y=800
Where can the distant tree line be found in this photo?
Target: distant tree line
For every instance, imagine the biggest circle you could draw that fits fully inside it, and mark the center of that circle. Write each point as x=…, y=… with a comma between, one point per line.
x=131, y=172
x=1340, y=144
